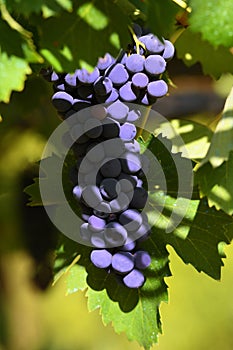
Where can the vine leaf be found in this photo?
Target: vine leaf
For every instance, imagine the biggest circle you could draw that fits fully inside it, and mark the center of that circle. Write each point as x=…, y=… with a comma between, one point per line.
x=13, y=72
x=191, y=48
x=213, y=20
x=26, y=7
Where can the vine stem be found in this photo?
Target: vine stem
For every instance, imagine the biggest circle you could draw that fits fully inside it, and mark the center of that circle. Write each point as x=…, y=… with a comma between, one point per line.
x=75, y=260
x=144, y=121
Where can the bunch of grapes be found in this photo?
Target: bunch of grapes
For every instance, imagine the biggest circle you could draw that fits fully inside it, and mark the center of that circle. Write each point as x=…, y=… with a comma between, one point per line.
x=109, y=176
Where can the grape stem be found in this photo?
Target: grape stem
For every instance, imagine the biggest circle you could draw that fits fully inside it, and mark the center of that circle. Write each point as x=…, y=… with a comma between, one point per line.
x=143, y=123
x=138, y=43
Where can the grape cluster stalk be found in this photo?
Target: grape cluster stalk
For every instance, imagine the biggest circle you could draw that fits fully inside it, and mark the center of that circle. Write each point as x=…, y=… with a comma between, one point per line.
x=109, y=176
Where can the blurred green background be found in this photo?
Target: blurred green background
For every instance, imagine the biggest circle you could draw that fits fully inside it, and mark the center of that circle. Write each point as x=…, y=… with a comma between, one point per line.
x=36, y=316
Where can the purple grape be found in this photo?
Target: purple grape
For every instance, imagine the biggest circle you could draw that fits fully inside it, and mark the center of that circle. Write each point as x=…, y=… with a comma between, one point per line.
x=91, y=195
x=118, y=74
x=103, y=86
x=127, y=94
x=128, y=246
x=86, y=77
x=111, y=168
x=77, y=192
x=133, y=146
x=101, y=258
x=134, y=279
x=58, y=86
x=131, y=218
x=95, y=152
x=145, y=100
x=169, y=50
x=139, y=198
x=115, y=234
x=128, y=132
x=111, y=128
x=80, y=104
x=97, y=239
x=62, y=101
x=135, y=63
x=85, y=91
x=122, y=262
x=71, y=80
x=98, y=111
x=93, y=128
x=155, y=65
x=118, y=111
x=142, y=259
x=121, y=203
x=140, y=80
x=157, y=88
x=131, y=163
x=137, y=29
x=105, y=62
x=85, y=233
x=108, y=99
x=108, y=188
x=152, y=43
x=133, y=115
x=127, y=182
x=96, y=224
x=114, y=148
x=102, y=210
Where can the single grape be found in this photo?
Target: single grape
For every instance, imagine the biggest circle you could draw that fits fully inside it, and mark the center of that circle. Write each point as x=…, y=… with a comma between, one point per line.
x=108, y=98
x=105, y=62
x=127, y=94
x=128, y=132
x=93, y=128
x=134, y=279
x=118, y=111
x=103, y=86
x=142, y=259
x=95, y=152
x=85, y=92
x=114, y=148
x=62, y=101
x=77, y=192
x=86, y=77
x=98, y=111
x=131, y=163
x=157, y=88
x=91, y=195
x=115, y=234
x=131, y=218
x=118, y=74
x=78, y=104
x=96, y=224
x=109, y=188
x=140, y=80
x=122, y=262
x=135, y=63
x=85, y=233
x=152, y=43
x=71, y=80
x=139, y=198
x=111, y=168
x=128, y=246
x=127, y=182
x=97, y=239
x=101, y=258
x=133, y=146
x=133, y=115
x=111, y=128
x=169, y=50
x=155, y=65
x=121, y=203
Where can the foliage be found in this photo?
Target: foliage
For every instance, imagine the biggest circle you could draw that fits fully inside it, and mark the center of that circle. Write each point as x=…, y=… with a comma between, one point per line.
x=70, y=34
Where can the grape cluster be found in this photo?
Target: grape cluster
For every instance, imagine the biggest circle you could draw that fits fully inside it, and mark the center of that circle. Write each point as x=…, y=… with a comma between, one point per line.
x=109, y=175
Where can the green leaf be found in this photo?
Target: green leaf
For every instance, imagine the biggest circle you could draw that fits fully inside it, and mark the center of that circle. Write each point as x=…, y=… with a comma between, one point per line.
x=202, y=246
x=13, y=73
x=161, y=17
x=191, y=48
x=214, y=20
x=25, y=7
x=217, y=184
x=222, y=140
x=100, y=21
x=195, y=138
x=33, y=192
